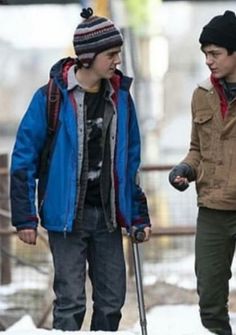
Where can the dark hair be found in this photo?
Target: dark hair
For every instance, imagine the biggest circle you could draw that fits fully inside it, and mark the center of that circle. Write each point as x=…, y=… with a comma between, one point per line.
x=229, y=51
x=78, y=64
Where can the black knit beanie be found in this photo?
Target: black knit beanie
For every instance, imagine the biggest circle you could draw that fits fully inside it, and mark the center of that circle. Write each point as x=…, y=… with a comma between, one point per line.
x=221, y=31
x=94, y=35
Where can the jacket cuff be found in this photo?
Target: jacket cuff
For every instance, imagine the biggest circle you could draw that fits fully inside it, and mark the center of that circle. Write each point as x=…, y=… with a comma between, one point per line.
x=141, y=225
x=26, y=225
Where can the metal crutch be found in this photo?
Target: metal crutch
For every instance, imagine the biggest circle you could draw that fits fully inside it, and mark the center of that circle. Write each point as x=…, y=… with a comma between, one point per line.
x=138, y=236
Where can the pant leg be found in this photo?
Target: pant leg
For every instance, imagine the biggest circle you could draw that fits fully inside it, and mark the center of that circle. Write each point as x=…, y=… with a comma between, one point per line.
x=108, y=276
x=69, y=258
x=214, y=254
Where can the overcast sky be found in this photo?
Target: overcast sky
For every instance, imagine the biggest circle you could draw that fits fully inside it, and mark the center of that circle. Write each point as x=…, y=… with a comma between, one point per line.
x=39, y=26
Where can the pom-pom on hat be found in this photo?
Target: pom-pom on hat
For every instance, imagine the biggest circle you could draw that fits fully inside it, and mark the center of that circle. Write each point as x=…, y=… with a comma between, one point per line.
x=94, y=35
x=221, y=31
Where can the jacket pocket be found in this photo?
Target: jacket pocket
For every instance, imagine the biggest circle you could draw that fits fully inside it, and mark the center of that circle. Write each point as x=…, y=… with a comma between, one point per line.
x=202, y=117
x=204, y=124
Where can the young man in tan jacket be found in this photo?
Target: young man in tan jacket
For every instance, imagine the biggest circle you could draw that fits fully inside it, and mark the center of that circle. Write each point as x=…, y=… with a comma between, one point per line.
x=211, y=162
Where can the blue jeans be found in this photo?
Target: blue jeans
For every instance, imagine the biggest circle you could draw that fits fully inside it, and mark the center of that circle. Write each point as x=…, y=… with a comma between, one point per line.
x=215, y=246
x=103, y=251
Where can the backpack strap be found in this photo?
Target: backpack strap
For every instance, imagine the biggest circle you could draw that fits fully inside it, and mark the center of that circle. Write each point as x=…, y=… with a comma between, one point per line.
x=53, y=106
x=52, y=109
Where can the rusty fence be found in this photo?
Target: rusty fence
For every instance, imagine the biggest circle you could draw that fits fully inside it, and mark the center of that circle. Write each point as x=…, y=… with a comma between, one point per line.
x=26, y=272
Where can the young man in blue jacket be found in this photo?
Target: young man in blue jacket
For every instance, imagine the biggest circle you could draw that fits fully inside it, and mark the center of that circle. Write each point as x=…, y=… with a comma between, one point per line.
x=91, y=188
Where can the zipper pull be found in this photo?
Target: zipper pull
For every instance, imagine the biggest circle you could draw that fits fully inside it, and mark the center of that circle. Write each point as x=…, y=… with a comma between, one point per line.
x=64, y=232
x=41, y=205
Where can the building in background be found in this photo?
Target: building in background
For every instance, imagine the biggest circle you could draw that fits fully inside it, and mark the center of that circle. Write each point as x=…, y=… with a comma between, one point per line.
x=161, y=53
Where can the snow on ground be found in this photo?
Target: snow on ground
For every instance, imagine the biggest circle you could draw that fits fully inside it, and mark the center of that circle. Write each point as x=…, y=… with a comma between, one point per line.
x=179, y=273
x=161, y=320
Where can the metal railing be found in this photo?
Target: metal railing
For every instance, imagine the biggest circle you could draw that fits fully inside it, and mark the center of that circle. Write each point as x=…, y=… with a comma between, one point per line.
x=16, y=256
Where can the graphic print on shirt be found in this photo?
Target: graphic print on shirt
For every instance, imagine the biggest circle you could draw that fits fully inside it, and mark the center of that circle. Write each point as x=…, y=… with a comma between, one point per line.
x=94, y=130
x=94, y=135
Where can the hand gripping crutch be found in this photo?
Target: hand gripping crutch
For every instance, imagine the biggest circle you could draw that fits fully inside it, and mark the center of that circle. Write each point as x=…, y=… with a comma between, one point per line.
x=138, y=236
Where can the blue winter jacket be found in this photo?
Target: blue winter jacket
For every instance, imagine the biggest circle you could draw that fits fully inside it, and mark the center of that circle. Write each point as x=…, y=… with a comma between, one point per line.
x=58, y=207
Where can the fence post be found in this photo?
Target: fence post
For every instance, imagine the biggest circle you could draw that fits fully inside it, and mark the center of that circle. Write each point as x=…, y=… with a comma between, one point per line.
x=5, y=266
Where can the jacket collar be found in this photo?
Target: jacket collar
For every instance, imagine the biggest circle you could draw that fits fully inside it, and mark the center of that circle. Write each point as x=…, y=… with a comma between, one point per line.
x=206, y=84
x=213, y=83
x=71, y=79
x=72, y=83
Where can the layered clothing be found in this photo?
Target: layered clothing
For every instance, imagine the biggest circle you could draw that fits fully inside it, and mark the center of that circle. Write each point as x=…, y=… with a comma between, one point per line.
x=124, y=204
x=212, y=152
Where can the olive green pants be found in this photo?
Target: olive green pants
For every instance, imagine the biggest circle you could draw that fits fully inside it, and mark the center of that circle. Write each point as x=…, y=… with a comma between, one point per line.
x=215, y=245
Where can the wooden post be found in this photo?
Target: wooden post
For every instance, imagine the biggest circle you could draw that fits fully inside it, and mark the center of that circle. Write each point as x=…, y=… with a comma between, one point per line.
x=5, y=265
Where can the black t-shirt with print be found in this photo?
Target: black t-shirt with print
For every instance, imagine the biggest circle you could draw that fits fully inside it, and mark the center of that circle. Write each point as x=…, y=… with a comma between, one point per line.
x=95, y=104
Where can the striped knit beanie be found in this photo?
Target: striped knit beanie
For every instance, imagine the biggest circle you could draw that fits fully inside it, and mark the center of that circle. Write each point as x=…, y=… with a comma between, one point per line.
x=94, y=35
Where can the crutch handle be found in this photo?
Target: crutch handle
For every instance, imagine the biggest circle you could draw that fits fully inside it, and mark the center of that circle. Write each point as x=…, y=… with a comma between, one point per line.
x=138, y=235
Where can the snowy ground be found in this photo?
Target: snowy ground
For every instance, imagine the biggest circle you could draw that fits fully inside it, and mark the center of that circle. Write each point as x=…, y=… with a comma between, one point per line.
x=164, y=320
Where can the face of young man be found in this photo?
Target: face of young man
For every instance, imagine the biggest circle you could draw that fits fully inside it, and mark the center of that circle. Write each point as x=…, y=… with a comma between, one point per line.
x=220, y=63
x=106, y=62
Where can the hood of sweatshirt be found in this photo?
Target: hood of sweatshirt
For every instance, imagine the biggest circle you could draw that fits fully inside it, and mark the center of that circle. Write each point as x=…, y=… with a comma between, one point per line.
x=59, y=72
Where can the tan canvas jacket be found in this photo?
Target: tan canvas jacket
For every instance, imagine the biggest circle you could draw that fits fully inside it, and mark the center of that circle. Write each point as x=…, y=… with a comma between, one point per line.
x=212, y=151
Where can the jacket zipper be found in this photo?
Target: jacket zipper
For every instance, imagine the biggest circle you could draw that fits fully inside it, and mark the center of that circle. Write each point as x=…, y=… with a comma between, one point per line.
x=65, y=231
x=41, y=205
